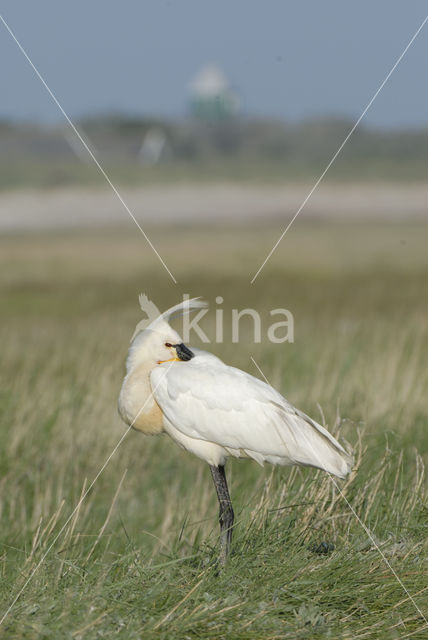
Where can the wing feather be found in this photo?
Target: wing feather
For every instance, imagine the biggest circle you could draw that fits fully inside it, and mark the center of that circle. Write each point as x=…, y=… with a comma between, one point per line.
x=207, y=400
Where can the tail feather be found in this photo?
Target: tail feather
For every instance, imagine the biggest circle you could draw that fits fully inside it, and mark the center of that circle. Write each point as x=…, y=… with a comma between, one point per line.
x=322, y=450
x=307, y=443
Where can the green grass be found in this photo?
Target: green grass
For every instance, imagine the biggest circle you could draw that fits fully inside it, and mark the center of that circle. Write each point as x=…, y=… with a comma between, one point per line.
x=17, y=173
x=138, y=558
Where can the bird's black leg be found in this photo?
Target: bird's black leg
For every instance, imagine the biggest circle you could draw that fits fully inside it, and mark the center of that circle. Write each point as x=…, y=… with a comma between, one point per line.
x=226, y=515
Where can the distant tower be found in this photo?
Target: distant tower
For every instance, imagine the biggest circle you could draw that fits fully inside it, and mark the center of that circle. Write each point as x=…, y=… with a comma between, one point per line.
x=212, y=97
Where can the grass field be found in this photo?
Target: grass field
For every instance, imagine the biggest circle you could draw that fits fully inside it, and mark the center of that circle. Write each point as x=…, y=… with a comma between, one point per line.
x=137, y=558
x=16, y=174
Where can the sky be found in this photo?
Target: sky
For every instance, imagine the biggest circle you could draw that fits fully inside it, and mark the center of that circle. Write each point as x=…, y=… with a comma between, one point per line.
x=289, y=60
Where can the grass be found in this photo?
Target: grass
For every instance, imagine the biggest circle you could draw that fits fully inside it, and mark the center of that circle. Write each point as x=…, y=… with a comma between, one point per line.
x=18, y=173
x=137, y=560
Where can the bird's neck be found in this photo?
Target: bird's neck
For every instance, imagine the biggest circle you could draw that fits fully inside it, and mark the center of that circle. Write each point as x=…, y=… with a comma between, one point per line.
x=137, y=406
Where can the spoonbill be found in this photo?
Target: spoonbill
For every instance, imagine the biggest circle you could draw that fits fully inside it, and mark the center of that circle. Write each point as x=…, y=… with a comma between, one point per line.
x=215, y=411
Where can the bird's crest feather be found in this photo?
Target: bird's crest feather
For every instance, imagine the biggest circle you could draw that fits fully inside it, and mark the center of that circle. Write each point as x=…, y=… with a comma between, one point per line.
x=155, y=318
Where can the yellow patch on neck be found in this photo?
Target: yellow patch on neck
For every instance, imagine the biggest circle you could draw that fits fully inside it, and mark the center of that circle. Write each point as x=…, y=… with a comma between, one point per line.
x=151, y=422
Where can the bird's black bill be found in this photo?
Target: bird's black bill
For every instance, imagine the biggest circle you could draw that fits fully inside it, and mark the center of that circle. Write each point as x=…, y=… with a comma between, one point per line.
x=183, y=352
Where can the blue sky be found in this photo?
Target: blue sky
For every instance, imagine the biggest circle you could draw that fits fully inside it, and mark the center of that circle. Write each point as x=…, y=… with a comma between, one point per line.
x=291, y=60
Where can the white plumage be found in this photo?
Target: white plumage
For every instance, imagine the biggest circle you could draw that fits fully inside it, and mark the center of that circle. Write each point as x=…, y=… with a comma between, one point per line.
x=206, y=400
x=215, y=411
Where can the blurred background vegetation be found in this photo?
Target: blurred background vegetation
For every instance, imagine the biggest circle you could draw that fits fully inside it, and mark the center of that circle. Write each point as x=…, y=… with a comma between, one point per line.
x=138, y=151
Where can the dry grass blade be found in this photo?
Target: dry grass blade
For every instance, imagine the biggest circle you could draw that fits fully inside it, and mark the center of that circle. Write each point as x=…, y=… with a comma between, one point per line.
x=106, y=521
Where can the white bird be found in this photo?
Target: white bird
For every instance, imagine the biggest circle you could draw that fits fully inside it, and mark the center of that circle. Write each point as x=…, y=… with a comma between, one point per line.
x=216, y=411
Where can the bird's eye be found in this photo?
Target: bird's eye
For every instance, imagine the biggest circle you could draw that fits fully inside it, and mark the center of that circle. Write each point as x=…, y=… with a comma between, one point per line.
x=168, y=344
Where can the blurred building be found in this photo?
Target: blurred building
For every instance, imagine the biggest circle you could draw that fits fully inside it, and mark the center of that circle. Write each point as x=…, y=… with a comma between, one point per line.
x=212, y=96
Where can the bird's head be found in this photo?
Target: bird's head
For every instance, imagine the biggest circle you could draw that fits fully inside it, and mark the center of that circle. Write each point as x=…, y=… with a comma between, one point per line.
x=159, y=343
x=156, y=346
